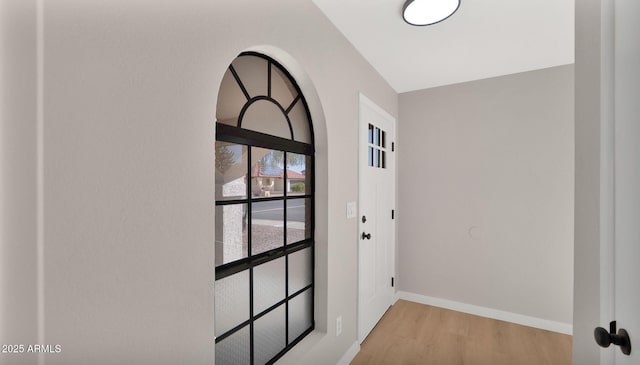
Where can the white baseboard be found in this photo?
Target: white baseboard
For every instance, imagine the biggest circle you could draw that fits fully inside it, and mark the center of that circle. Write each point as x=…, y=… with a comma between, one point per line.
x=540, y=323
x=350, y=354
x=396, y=296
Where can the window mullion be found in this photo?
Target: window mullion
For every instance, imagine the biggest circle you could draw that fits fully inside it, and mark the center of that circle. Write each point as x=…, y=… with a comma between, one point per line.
x=284, y=194
x=286, y=258
x=249, y=201
x=249, y=254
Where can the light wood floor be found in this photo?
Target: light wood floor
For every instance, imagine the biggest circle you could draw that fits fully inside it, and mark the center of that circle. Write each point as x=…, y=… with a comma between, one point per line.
x=412, y=333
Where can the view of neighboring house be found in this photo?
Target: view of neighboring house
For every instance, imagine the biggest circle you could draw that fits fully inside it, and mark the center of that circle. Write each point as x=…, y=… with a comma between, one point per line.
x=267, y=180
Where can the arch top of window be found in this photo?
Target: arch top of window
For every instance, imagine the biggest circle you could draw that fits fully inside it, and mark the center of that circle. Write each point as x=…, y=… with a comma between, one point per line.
x=259, y=94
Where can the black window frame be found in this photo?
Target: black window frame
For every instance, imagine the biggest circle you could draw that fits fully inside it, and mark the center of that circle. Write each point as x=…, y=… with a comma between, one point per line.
x=251, y=139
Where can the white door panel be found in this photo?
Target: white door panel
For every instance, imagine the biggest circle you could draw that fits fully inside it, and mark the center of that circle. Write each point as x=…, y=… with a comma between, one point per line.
x=376, y=201
x=627, y=174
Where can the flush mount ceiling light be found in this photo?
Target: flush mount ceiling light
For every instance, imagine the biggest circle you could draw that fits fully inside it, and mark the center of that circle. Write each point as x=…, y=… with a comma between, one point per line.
x=427, y=12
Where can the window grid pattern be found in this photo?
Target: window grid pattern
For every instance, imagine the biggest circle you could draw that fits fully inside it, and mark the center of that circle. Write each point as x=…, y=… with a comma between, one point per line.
x=264, y=223
x=377, y=147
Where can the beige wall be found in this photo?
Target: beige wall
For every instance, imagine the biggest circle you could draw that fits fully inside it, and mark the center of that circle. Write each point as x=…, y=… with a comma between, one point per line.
x=129, y=104
x=486, y=193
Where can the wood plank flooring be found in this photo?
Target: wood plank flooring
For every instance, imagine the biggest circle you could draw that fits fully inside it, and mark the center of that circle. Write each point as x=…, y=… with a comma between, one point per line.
x=412, y=333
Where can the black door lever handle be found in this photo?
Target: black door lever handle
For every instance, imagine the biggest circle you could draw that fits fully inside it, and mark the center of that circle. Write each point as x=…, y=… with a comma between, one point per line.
x=367, y=236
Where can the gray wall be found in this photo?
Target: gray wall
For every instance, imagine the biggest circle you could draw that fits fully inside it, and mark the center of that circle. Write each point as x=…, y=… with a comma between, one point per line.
x=18, y=213
x=486, y=193
x=129, y=105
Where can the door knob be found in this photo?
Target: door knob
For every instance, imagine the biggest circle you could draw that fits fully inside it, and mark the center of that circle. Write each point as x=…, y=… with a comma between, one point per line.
x=367, y=236
x=621, y=338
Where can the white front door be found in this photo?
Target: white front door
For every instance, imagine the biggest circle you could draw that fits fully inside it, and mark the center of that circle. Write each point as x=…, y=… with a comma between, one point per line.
x=376, y=237
x=627, y=174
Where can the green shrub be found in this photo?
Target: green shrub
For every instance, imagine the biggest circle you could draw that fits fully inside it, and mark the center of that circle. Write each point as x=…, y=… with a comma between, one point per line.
x=297, y=187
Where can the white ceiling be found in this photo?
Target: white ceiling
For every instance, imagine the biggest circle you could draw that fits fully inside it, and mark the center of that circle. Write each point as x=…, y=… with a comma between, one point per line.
x=484, y=38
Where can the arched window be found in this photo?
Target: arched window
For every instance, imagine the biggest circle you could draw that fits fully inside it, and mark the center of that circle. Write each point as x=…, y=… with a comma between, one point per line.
x=264, y=192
